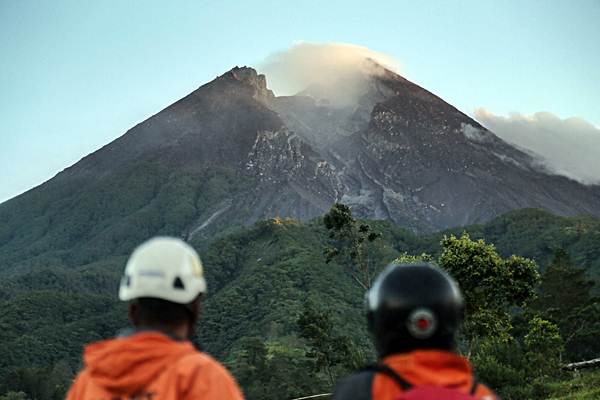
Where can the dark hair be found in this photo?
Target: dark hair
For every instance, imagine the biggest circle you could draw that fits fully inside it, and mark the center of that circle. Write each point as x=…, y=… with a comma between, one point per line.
x=153, y=312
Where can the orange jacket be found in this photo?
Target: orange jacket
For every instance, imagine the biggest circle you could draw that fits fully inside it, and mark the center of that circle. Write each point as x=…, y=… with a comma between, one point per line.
x=428, y=367
x=151, y=366
x=421, y=367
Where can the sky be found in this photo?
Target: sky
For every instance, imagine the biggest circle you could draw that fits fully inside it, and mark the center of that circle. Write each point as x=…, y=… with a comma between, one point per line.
x=75, y=75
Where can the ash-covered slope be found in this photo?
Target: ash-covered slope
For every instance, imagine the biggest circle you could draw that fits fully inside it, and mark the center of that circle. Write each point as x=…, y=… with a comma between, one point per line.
x=231, y=153
x=425, y=164
x=402, y=153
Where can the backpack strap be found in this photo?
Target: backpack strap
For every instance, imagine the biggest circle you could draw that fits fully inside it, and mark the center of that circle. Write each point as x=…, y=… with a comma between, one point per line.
x=384, y=369
x=474, y=387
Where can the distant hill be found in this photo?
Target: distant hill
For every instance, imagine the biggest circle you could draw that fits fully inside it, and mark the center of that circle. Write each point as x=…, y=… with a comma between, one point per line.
x=536, y=234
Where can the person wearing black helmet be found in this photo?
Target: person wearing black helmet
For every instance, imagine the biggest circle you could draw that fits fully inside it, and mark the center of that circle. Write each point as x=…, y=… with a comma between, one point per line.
x=414, y=312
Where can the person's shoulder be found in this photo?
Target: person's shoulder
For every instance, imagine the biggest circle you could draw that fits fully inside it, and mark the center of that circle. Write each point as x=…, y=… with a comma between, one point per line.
x=78, y=386
x=357, y=386
x=199, y=363
x=205, y=377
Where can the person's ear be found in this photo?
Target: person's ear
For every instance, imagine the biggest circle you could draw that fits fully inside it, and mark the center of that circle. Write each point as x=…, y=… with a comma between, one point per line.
x=196, y=310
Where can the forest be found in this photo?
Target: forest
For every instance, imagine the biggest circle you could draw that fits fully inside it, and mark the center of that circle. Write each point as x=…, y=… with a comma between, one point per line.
x=285, y=304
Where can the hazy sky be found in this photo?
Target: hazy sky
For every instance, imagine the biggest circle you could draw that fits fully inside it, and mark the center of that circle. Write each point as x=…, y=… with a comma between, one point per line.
x=76, y=74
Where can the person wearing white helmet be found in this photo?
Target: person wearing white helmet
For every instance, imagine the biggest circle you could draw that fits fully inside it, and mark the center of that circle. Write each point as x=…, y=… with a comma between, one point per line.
x=164, y=284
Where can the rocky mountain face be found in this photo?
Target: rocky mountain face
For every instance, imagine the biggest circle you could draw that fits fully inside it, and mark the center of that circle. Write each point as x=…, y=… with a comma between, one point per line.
x=424, y=164
x=399, y=152
x=231, y=153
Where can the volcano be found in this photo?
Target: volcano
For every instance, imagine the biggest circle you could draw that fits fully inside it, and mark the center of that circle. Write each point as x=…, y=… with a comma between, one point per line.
x=232, y=153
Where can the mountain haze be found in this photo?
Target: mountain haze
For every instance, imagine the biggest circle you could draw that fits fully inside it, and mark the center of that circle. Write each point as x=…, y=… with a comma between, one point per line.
x=231, y=153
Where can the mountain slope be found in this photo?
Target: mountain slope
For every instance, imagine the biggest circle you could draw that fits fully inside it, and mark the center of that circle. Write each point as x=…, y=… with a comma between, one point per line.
x=232, y=153
x=424, y=164
x=169, y=175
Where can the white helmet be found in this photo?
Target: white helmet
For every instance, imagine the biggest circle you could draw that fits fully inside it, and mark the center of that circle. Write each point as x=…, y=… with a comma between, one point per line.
x=163, y=268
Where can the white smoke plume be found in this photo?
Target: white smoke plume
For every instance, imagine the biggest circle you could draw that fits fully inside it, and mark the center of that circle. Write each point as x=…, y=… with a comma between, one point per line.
x=322, y=65
x=569, y=147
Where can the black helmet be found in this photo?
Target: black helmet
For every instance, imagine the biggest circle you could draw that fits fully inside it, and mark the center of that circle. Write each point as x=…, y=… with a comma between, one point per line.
x=414, y=306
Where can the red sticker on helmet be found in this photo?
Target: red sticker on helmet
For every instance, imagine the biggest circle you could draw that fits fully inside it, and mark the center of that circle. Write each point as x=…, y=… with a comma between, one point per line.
x=421, y=323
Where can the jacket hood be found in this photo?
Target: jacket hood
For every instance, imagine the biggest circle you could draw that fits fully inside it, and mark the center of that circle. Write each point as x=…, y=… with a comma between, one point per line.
x=128, y=364
x=433, y=367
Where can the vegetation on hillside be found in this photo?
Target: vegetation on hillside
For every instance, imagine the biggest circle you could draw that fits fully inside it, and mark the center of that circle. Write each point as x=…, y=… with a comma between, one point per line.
x=97, y=223
x=535, y=234
x=288, y=323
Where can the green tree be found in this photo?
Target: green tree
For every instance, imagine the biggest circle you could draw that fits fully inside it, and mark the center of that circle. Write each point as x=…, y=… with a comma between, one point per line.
x=544, y=346
x=49, y=383
x=406, y=258
x=328, y=351
x=491, y=285
x=349, y=243
x=14, y=396
x=502, y=365
x=273, y=372
x=565, y=297
x=252, y=369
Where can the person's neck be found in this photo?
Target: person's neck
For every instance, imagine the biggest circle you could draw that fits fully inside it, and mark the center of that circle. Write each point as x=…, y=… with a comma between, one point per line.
x=181, y=332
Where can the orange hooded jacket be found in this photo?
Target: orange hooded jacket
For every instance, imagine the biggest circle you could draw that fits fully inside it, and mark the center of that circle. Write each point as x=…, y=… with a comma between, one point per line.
x=420, y=367
x=428, y=367
x=151, y=366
